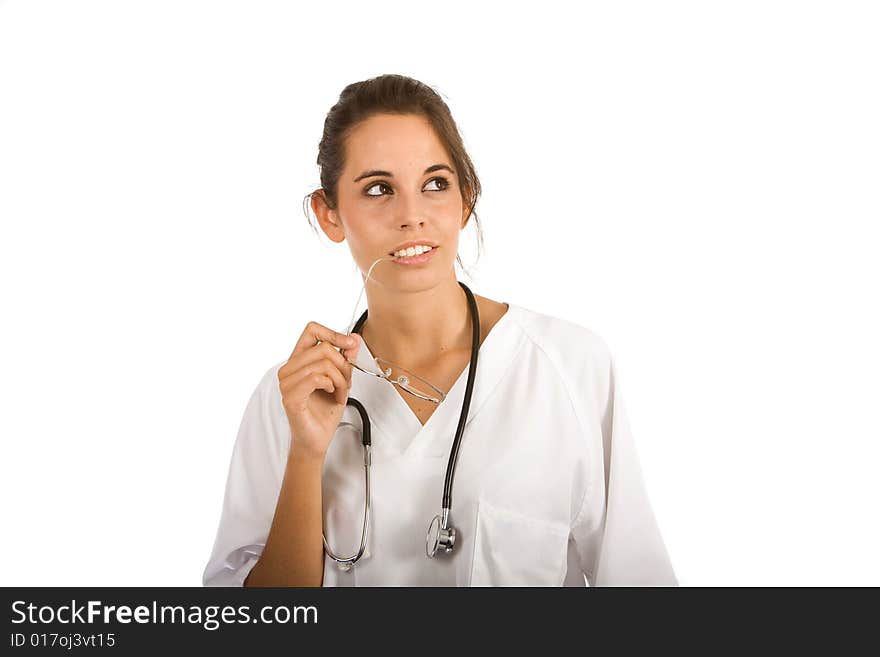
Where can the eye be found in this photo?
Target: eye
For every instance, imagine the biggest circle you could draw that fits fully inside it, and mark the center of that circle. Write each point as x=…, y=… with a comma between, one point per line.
x=442, y=180
x=378, y=184
x=443, y=187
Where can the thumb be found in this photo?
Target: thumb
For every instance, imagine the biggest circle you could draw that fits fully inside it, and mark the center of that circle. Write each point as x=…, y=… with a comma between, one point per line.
x=351, y=353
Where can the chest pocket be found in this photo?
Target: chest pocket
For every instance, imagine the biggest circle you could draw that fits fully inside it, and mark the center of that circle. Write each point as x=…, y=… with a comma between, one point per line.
x=513, y=549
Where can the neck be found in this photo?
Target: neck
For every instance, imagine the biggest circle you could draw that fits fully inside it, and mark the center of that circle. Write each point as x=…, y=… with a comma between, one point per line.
x=411, y=328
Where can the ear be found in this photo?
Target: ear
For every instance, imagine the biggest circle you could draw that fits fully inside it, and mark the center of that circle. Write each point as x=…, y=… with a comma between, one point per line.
x=328, y=219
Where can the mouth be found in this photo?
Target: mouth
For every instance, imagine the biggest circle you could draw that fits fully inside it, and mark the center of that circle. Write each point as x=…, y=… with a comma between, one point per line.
x=414, y=255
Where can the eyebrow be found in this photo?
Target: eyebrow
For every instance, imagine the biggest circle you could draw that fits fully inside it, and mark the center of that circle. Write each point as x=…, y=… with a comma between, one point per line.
x=375, y=172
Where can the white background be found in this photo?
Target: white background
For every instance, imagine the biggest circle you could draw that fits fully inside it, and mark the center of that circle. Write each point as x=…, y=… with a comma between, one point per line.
x=697, y=182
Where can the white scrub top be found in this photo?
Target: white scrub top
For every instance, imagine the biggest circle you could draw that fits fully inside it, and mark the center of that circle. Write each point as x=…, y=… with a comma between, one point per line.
x=548, y=486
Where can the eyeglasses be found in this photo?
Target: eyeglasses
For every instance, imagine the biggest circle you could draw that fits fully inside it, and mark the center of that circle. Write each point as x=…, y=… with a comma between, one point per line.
x=404, y=379
x=385, y=369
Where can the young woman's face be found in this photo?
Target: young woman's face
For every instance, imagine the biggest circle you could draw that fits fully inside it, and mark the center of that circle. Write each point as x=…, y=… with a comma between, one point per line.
x=399, y=186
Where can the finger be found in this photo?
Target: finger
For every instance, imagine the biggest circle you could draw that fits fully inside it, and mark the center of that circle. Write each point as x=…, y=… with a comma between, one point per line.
x=308, y=384
x=315, y=333
x=321, y=367
x=311, y=355
x=339, y=382
x=350, y=354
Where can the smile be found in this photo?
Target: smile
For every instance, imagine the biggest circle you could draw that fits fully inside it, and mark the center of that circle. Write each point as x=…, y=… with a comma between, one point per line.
x=414, y=255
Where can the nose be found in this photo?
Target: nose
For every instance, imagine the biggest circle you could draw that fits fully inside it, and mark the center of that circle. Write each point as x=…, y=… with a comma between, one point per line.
x=408, y=212
x=412, y=222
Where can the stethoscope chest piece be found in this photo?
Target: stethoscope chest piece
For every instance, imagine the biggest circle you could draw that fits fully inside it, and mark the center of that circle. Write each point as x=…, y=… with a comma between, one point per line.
x=441, y=537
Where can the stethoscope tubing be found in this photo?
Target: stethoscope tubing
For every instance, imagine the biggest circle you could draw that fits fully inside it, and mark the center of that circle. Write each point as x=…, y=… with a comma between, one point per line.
x=456, y=443
x=365, y=530
x=462, y=419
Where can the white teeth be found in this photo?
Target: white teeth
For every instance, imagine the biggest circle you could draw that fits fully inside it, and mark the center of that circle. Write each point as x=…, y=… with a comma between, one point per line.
x=411, y=251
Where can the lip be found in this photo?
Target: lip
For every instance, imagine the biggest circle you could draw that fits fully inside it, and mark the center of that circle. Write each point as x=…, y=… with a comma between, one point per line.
x=416, y=259
x=406, y=245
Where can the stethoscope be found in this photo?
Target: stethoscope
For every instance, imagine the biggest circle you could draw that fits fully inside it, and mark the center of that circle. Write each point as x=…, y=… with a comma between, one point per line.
x=441, y=534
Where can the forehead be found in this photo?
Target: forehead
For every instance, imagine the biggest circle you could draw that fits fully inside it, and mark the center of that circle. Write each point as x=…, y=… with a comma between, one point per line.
x=388, y=141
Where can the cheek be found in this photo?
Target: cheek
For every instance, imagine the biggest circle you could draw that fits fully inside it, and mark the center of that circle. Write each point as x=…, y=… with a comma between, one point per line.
x=364, y=241
x=357, y=228
x=445, y=208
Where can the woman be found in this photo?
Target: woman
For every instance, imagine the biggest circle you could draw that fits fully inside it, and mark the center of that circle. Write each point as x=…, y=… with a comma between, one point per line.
x=547, y=485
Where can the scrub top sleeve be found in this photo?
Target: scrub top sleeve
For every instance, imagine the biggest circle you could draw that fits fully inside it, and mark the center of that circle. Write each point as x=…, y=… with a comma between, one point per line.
x=616, y=534
x=253, y=484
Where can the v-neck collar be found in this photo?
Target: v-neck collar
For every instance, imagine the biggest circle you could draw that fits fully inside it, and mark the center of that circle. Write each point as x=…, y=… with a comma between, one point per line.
x=399, y=425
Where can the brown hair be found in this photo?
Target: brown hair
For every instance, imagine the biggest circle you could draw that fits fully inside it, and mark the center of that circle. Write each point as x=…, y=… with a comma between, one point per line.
x=392, y=94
